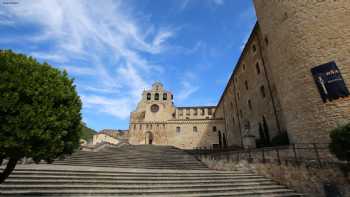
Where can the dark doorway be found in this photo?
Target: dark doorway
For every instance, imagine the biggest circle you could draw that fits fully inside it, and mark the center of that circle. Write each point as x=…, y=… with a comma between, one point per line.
x=266, y=131
x=148, y=137
x=224, y=140
x=220, y=140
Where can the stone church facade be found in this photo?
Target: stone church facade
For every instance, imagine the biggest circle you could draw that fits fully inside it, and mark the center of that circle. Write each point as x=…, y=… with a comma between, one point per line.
x=157, y=120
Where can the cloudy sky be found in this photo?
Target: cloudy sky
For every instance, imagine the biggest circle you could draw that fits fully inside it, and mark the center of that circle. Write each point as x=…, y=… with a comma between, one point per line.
x=115, y=49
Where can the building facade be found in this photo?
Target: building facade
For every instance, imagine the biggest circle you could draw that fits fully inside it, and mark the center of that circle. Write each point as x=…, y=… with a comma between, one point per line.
x=293, y=74
x=157, y=120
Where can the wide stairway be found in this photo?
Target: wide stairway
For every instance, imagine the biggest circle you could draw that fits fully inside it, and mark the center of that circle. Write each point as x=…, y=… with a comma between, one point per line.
x=136, y=171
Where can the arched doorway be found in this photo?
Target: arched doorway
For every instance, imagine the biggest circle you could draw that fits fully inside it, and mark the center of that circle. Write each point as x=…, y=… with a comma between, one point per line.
x=148, y=137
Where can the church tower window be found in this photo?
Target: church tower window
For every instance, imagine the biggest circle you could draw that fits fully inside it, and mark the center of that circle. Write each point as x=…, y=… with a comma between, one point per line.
x=195, y=129
x=156, y=96
x=165, y=96
x=148, y=96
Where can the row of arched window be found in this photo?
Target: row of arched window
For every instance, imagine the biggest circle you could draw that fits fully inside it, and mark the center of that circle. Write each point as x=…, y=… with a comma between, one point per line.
x=156, y=96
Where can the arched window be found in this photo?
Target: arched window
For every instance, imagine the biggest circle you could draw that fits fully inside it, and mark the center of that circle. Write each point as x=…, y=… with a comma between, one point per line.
x=148, y=96
x=257, y=68
x=178, y=129
x=165, y=96
x=195, y=129
x=156, y=96
x=262, y=90
x=250, y=104
x=246, y=84
x=214, y=128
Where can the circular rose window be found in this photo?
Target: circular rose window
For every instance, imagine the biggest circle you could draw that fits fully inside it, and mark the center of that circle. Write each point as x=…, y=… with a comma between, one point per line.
x=154, y=108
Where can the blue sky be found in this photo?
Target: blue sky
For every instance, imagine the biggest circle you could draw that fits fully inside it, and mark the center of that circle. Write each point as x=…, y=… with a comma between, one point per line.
x=116, y=49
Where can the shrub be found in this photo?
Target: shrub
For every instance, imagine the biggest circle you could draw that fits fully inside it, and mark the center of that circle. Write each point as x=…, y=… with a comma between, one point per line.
x=340, y=142
x=280, y=140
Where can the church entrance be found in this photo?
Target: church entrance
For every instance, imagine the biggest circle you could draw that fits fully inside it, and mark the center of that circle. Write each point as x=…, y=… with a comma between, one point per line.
x=148, y=137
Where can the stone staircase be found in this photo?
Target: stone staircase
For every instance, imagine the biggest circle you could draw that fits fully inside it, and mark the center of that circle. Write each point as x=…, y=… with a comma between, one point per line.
x=136, y=171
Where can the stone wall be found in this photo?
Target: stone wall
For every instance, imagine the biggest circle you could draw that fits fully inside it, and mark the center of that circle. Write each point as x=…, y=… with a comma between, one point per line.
x=297, y=36
x=247, y=104
x=310, y=180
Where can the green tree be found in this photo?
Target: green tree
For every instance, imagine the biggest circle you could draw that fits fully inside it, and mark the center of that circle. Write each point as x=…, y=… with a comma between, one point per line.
x=340, y=142
x=39, y=111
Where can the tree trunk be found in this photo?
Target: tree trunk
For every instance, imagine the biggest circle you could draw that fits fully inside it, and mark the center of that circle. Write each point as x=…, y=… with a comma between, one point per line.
x=9, y=168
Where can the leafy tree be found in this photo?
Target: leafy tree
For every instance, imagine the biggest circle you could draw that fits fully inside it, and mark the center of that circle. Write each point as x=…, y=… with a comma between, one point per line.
x=39, y=111
x=340, y=142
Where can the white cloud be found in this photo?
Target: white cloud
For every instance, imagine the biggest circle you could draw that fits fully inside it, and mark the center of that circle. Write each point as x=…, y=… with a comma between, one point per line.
x=188, y=86
x=105, y=35
x=218, y=2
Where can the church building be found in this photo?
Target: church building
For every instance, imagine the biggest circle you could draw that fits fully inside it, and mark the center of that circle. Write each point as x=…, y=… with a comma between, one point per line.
x=157, y=120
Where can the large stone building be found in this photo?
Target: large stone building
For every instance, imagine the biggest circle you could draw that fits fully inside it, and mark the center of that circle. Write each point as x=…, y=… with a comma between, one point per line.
x=291, y=78
x=156, y=120
x=292, y=75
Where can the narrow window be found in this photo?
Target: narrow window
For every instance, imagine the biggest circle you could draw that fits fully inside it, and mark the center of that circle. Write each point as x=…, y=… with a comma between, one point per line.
x=254, y=48
x=188, y=111
x=140, y=126
x=266, y=41
x=180, y=112
x=250, y=104
x=134, y=126
x=178, y=129
x=202, y=112
x=238, y=95
x=209, y=111
x=195, y=129
x=156, y=97
x=214, y=128
x=195, y=112
x=246, y=84
x=262, y=90
x=150, y=126
x=172, y=97
x=257, y=68
x=148, y=96
x=165, y=96
x=243, y=66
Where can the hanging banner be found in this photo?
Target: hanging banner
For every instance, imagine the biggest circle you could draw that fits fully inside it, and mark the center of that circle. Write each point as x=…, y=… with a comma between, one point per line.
x=329, y=81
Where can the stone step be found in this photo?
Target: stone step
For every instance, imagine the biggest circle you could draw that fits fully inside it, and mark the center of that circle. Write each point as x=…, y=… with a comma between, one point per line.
x=116, y=174
x=151, y=191
x=139, y=182
x=121, y=186
x=65, y=176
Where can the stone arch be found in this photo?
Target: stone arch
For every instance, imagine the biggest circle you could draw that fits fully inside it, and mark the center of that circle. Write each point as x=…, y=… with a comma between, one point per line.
x=148, y=137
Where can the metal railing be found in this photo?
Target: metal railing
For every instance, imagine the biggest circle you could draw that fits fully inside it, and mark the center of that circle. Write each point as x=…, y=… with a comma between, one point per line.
x=315, y=154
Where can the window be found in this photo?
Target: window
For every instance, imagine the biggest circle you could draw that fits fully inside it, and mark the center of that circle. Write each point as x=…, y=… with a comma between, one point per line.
x=134, y=126
x=209, y=111
x=150, y=126
x=140, y=127
x=148, y=96
x=188, y=111
x=195, y=129
x=243, y=66
x=238, y=95
x=202, y=112
x=180, y=112
x=214, y=128
x=172, y=97
x=174, y=115
x=165, y=96
x=178, y=129
x=195, y=112
x=246, y=84
x=262, y=90
x=250, y=104
x=257, y=68
x=254, y=48
x=156, y=97
x=266, y=40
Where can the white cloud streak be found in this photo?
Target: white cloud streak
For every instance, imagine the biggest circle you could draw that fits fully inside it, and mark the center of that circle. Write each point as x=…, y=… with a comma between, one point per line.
x=104, y=35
